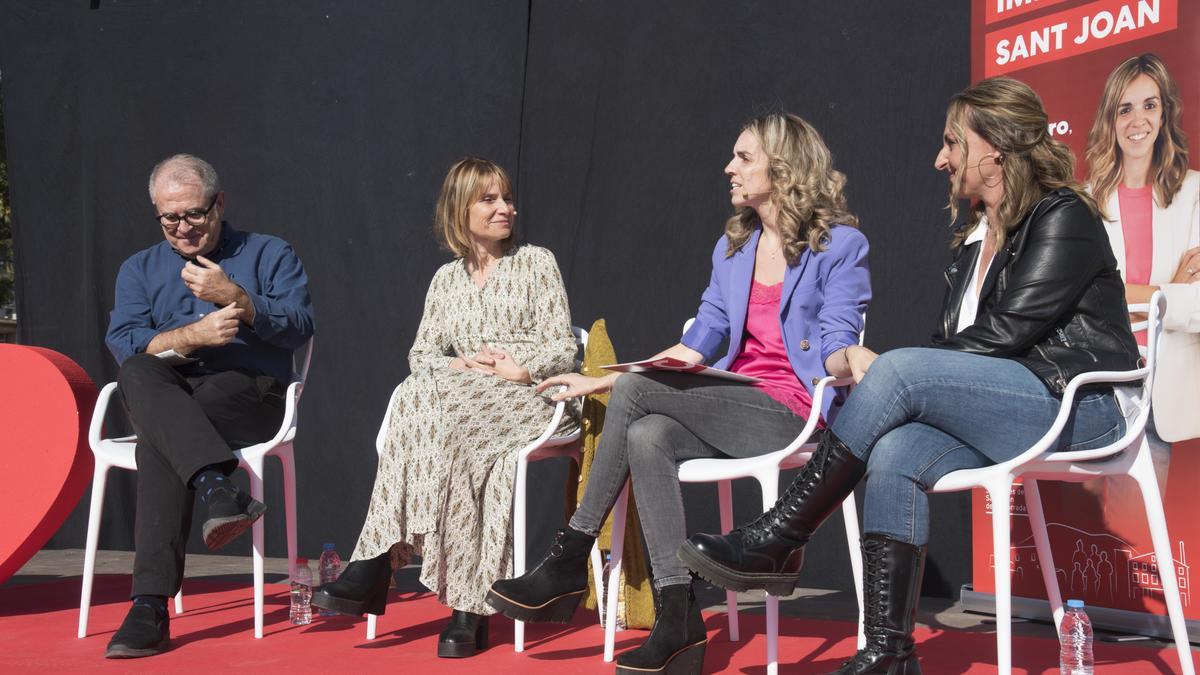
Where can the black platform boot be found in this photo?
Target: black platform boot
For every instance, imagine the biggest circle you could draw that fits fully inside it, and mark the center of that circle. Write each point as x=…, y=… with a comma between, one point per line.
x=465, y=635
x=891, y=588
x=677, y=641
x=552, y=589
x=767, y=553
x=362, y=588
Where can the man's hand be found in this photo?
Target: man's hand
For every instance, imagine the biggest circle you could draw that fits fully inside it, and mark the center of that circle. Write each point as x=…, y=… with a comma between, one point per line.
x=216, y=329
x=208, y=282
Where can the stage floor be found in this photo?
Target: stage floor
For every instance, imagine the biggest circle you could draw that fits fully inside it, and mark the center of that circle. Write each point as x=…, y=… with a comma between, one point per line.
x=39, y=614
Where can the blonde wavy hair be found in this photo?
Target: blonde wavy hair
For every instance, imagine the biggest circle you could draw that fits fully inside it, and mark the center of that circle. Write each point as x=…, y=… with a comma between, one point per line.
x=1008, y=114
x=806, y=191
x=464, y=185
x=1169, y=164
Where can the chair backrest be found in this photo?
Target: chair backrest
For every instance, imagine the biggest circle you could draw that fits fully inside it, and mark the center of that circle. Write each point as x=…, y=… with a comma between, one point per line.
x=581, y=338
x=1141, y=400
x=301, y=358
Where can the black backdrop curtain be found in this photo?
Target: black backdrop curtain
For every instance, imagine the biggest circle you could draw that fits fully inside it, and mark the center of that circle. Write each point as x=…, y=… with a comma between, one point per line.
x=332, y=124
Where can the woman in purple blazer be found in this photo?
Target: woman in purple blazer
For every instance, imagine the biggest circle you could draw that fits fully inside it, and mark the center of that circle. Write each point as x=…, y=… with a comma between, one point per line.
x=789, y=287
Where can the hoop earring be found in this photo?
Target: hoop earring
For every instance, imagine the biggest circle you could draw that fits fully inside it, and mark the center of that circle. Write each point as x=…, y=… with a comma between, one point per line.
x=999, y=175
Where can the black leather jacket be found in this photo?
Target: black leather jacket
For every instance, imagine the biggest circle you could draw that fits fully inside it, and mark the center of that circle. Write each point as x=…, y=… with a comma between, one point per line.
x=1053, y=299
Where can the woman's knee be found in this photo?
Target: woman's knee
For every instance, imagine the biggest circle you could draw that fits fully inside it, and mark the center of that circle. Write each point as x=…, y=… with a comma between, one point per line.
x=627, y=387
x=648, y=443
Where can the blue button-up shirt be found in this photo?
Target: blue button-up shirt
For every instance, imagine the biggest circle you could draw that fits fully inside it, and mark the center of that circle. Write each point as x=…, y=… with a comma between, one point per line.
x=151, y=298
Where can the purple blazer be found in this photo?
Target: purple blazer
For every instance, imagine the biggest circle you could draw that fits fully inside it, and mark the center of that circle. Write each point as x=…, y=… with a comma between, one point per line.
x=820, y=311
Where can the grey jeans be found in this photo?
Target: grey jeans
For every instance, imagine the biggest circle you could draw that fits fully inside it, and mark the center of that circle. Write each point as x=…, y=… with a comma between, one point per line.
x=656, y=420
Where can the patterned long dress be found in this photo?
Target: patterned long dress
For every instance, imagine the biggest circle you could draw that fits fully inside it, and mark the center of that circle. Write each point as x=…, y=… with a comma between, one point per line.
x=447, y=468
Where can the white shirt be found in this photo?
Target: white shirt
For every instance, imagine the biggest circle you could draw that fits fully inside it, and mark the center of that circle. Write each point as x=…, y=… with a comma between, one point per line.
x=969, y=305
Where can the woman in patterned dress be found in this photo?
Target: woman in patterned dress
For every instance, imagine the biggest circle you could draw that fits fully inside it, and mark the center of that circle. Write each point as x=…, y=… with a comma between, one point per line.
x=495, y=324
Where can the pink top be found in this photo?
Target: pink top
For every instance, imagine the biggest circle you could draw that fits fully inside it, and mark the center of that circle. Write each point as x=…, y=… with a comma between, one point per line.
x=1137, y=227
x=763, y=354
x=1137, y=224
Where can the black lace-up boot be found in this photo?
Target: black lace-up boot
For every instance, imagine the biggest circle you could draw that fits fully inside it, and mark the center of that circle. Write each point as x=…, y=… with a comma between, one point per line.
x=552, y=589
x=891, y=588
x=677, y=641
x=767, y=553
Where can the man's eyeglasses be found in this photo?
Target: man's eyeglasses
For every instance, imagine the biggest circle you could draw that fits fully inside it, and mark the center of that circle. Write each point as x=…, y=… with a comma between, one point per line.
x=170, y=221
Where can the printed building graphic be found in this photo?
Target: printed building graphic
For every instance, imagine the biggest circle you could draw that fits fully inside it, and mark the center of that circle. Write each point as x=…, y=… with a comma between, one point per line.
x=1096, y=567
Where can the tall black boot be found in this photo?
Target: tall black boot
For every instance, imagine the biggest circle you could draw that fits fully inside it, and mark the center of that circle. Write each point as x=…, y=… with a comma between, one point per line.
x=677, y=640
x=891, y=589
x=767, y=553
x=362, y=588
x=552, y=589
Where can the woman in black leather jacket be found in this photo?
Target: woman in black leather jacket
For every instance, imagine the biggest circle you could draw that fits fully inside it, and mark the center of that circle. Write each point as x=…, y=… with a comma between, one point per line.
x=1034, y=299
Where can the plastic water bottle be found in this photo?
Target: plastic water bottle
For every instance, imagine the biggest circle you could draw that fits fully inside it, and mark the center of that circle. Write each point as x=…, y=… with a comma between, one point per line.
x=328, y=569
x=302, y=581
x=602, y=591
x=1075, y=641
x=602, y=598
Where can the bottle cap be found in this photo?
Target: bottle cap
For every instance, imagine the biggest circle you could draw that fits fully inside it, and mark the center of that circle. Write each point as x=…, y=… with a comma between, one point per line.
x=301, y=561
x=1075, y=604
x=328, y=547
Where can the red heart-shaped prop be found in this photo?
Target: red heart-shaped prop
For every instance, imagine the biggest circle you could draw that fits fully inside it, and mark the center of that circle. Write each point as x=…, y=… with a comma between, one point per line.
x=46, y=403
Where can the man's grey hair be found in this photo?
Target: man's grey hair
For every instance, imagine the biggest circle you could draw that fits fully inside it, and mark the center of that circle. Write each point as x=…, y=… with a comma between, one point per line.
x=184, y=168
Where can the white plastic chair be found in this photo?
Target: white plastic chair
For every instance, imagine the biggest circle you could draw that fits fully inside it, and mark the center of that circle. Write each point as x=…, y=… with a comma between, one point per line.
x=546, y=446
x=1129, y=456
x=119, y=453
x=765, y=469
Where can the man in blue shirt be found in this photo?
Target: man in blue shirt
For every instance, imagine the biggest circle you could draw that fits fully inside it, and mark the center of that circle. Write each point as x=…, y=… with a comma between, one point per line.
x=204, y=326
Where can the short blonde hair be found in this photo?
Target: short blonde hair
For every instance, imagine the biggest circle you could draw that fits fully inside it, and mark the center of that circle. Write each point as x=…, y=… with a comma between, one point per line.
x=464, y=184
x=807, y=192
x=1169, y=163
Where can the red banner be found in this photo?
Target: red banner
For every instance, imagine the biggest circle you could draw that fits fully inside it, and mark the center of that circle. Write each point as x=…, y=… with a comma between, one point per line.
x=1075, y=31
x=1065, y=50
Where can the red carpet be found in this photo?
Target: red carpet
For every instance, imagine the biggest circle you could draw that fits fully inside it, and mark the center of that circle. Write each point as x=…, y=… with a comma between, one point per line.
x=38, y=623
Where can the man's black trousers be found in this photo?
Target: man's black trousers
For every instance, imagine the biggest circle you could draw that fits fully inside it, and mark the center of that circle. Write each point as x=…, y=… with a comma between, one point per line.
x=183, y=425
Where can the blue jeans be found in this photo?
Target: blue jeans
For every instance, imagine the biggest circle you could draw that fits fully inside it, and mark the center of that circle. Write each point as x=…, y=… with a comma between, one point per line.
x=921, y=413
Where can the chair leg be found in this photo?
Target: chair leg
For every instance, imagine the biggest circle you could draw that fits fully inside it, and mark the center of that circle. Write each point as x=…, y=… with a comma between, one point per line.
x=614, y=575
x=999, y=492
x=287, y=462
x=725, y=501
x=371, y=618
x=1041, y=539
x=598, y=579
x=1143, y=472
x=255, y=469
x=769, y=484
x=179, y=600
x=519, y=543
x=850, y=516
x=99, y=479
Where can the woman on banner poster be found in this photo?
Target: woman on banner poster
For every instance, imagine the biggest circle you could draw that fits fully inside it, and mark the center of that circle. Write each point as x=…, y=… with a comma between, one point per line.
x=1137, y=157
x=1034, y=299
